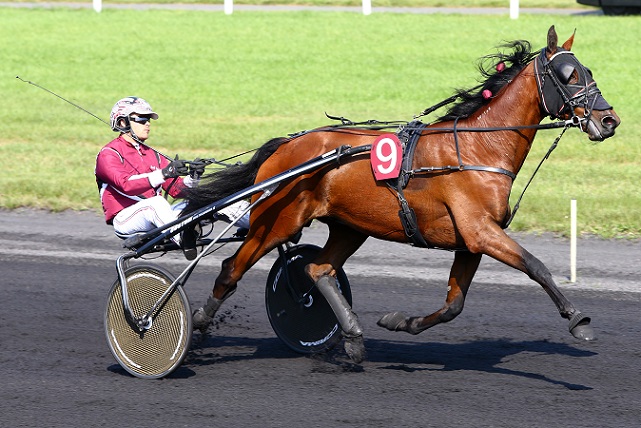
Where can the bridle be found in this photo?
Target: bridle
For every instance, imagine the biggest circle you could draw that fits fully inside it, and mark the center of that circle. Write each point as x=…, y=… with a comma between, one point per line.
x=559, y=97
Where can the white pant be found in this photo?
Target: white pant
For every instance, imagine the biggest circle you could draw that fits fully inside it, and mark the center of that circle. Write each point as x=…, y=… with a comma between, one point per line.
x=234, y=211
x=146, y=215
x=154, y=212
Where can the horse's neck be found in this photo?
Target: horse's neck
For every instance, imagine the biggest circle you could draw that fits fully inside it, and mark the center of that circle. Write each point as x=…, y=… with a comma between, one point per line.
x=517, y=104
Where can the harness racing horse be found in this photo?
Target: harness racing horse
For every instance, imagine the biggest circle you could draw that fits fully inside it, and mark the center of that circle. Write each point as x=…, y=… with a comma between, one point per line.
x=482, y=140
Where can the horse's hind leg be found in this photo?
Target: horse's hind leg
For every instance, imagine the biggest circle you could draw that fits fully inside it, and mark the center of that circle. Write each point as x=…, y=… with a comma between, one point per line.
x=341, y=244
x=461, y=275
x=352, y=330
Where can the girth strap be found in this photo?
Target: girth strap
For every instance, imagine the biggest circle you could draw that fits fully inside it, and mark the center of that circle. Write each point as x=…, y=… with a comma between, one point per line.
x=408, y=220
x=408, y=136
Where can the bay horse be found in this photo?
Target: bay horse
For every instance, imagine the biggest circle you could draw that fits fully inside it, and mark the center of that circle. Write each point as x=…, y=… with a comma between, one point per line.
x=463, y=208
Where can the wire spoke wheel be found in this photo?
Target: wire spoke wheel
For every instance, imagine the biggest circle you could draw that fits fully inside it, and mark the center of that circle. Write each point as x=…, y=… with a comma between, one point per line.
x=297, y=311
x=159, y=348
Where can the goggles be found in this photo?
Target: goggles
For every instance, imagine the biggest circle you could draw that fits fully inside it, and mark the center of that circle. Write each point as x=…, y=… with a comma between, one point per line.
x=139, y=119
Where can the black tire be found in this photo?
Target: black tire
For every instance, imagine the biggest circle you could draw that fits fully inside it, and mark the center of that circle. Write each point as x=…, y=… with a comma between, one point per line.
x=310, y=326
x=621, y=10
x=157, y=351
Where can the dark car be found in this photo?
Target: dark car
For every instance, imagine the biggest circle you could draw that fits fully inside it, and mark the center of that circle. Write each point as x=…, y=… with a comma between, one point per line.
x=615, y=7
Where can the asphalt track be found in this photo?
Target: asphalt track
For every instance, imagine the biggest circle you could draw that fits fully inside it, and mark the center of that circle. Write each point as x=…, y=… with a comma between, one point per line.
x=506, y=361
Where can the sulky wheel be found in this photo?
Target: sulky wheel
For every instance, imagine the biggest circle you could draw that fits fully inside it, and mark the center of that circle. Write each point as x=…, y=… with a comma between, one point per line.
x=159, y=348
x=298, y=313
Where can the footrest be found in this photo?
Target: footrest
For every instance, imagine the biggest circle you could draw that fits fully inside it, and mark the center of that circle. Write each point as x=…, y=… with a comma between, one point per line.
x=136, y=239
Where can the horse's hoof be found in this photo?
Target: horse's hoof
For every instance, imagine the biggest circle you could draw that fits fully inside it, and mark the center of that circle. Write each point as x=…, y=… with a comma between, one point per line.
x=355, y=348
x=200, y=320
x=394, y=321
x=580, y=327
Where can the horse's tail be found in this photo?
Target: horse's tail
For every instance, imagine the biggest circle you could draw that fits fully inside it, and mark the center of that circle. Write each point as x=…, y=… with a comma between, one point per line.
x=230, y=180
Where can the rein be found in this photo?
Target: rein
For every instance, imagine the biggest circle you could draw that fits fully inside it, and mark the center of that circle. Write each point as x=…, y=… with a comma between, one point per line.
x=347, y=126
x=547, y=155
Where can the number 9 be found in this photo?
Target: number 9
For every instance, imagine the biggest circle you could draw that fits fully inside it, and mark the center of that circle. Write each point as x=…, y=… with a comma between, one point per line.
x=386, y=144
x=386, y=156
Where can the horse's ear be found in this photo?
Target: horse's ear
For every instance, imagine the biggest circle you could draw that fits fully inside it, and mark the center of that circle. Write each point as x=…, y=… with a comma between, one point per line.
x=568, y=43
x=553, y=39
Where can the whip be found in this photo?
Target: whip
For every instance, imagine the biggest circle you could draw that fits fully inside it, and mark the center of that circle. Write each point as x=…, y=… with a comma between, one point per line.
x=206, y=161
x=87, y=111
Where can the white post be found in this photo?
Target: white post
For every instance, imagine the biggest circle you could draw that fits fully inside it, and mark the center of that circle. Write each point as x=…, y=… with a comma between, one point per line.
x=367, y=7
x=229, y=7
x=514, y=9
x=573, y=240
x=97, y=5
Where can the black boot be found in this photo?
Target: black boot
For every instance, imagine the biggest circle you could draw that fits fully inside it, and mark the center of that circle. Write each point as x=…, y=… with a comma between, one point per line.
x=189, y=237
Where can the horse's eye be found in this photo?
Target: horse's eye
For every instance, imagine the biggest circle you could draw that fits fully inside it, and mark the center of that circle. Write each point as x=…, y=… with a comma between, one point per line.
x=564, y=72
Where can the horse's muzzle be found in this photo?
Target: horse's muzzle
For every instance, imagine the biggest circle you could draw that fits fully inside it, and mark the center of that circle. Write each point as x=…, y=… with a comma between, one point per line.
x=602, y=124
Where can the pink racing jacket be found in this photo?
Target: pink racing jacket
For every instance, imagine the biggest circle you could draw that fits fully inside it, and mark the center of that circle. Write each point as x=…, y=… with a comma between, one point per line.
x=125, y=175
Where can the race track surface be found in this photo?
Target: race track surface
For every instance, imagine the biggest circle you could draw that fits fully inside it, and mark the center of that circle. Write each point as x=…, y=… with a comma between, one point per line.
x=507, y=361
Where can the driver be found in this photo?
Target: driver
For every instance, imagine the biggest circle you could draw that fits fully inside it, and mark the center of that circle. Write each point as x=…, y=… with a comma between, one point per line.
x=131, y=176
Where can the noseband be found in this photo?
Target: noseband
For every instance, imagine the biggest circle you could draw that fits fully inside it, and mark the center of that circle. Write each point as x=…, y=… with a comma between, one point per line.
x=558, y=96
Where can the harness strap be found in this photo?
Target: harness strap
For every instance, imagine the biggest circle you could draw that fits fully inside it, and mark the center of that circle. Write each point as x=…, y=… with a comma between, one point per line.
x=463, y=167
x=408, y=136
x=408, y=219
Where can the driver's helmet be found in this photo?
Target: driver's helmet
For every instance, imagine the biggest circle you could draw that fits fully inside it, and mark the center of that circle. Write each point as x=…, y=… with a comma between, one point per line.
x=125, y=107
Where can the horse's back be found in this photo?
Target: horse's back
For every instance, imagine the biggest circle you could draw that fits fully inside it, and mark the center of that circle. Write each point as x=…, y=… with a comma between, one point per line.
x=310, y=145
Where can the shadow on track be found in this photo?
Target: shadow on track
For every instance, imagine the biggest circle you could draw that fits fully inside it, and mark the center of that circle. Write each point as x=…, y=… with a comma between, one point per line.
x=484, y=356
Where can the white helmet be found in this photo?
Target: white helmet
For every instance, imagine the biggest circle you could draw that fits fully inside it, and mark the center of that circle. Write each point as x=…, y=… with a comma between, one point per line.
x=126, y=106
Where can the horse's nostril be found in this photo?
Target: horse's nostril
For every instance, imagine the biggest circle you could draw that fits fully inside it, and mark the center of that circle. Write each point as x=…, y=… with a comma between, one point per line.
x=609, y=122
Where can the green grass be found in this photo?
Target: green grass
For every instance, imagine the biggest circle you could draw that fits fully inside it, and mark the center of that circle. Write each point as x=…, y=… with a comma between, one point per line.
x=558, y=4
x=226, y=84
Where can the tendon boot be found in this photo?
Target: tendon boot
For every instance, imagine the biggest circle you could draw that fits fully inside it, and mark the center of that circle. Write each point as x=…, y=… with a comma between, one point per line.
x=202, y=317
x=348, y=320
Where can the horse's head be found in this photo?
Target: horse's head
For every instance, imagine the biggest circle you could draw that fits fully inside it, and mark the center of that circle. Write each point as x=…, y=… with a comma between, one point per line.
x=568, y=91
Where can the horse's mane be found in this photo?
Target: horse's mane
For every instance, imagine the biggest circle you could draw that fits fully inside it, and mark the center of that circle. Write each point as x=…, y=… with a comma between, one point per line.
x=472, y=99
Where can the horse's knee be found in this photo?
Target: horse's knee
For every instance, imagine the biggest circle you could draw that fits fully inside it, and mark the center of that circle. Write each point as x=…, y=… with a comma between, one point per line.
x=227, y=265
x=225, y=285
x=315, y=271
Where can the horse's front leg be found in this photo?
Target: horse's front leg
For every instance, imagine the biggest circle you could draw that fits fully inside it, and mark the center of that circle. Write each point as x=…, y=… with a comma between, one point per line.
x=498, y=245
x=224, y=286
x=461, y=275
x=232, y=270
